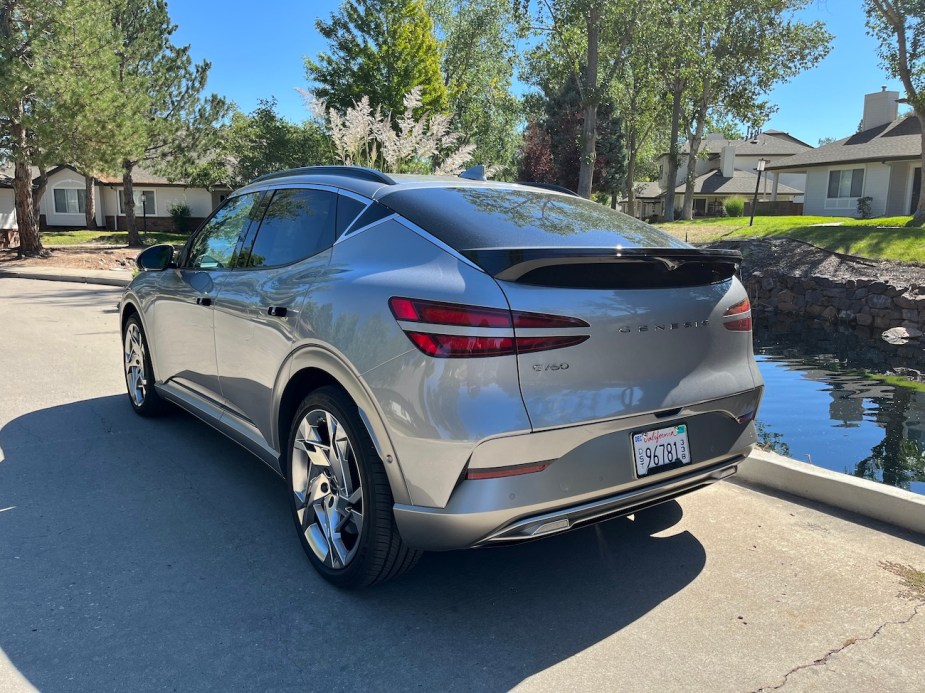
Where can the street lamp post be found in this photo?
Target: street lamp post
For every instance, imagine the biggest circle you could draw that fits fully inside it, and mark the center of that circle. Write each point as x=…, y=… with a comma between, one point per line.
x=760, y=167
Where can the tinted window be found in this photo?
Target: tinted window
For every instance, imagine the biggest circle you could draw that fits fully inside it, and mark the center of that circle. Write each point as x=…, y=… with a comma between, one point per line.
x=296, y=225
x=347, y=210
x=469, y=217
x=214, y=247
x=373, y=213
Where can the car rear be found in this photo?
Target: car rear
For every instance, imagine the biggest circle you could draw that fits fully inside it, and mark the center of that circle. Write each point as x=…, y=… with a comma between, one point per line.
x=633, y=351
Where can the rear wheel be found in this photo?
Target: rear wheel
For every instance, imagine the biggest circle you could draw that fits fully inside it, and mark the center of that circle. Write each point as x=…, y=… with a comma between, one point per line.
x=341, y=501
x=139, y=374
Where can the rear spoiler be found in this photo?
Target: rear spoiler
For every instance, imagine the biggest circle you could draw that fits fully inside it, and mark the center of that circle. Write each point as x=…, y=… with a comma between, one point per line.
x=511, y=264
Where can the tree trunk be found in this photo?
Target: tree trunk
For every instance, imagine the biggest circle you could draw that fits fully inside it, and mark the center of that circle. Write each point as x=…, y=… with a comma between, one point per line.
x=694, y=140
x=90, y=209
x=591, y=99
x=41, y=184
x=918, y=219
x=29, y=241
x=631, y=173
x=673, y=149
x=128, y=204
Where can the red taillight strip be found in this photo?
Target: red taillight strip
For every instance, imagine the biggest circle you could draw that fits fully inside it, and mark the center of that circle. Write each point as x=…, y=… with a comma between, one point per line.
x=436, y=318
x=500, y=472
x=742, y=324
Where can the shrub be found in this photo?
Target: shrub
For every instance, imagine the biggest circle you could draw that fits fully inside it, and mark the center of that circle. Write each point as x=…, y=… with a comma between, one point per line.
x=182, y=217
x=734, y=206
x=864, y=207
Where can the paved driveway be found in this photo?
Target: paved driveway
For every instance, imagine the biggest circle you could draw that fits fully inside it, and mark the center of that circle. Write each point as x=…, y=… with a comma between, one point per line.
x=149, y=555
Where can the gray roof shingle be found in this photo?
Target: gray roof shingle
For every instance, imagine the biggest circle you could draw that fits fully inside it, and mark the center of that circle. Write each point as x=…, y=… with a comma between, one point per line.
x=896, y=141
x=741, y=183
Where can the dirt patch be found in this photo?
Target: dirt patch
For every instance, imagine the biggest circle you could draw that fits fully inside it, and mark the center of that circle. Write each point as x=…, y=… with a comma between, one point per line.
x=799, y=259
x=75, y=258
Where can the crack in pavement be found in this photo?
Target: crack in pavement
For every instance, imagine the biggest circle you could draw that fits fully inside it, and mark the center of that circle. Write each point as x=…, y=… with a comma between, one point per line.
x=822, y=661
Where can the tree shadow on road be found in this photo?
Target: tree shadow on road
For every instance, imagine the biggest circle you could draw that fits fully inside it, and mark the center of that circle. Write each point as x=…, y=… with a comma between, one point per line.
x=156, y=554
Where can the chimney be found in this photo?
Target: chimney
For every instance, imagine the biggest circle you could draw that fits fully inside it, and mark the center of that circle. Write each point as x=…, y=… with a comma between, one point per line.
x=880, y=108
x=727, y=161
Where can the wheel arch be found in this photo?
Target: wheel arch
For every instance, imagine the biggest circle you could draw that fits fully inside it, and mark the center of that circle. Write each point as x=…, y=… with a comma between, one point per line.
x=312, y=367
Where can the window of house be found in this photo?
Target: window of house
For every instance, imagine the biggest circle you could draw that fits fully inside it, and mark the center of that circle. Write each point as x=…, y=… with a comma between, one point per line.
x=846, y=183
x=144, y=202
x=70, y=201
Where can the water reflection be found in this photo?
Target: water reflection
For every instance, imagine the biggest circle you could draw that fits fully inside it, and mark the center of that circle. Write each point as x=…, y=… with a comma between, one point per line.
x=843, y=399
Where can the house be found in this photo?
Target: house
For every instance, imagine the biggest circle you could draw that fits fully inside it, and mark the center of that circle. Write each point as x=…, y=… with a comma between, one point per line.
x=881, y=161
x=726, y=168
x=64, y=203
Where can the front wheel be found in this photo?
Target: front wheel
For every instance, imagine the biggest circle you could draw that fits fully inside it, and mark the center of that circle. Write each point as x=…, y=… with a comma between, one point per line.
x=139, y=374
x=341, y=501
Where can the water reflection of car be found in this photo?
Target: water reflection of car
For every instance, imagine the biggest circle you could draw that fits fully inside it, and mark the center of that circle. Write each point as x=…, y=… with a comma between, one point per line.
x=442, y=363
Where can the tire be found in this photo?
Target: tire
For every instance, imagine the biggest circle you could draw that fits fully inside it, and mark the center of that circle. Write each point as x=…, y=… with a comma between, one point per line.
x=340, y=498
x=139, y=374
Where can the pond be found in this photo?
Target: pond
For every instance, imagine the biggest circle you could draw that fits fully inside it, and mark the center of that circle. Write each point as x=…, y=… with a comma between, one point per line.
x=842, y=399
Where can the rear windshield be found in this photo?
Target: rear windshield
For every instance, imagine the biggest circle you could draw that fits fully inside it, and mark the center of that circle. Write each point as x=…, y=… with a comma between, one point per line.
x=467, y=218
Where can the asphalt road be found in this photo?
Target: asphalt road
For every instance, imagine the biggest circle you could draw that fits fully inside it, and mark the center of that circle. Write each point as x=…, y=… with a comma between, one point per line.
x=156, y=555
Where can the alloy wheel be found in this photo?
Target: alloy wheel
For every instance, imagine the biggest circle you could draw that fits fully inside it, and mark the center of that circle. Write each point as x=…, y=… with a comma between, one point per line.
x=135, y=376
x=327, y=489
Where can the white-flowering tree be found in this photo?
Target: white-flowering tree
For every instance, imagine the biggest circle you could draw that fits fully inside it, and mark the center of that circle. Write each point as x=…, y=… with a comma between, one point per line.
x=363, y=136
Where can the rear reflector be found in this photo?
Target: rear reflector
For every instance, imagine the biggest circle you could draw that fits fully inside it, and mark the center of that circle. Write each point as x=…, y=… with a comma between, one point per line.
x=742, y=324
x=436, y=313
x=499, y=472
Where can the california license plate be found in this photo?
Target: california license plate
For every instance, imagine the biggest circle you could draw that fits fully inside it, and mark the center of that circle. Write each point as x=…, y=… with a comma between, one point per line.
x=660, y=448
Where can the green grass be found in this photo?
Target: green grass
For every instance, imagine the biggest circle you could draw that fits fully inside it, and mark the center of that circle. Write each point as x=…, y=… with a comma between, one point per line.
x=53, y=239
x=884, y=238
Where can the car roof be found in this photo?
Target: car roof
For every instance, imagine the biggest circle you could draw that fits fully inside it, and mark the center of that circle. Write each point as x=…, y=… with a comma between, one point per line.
x=375, y=184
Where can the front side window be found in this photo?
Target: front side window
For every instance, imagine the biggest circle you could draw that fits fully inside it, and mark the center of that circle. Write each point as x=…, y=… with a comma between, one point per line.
x=144, y=202
x=70, y=201
x=298, y=223
x=214, y=246
x=846, y=183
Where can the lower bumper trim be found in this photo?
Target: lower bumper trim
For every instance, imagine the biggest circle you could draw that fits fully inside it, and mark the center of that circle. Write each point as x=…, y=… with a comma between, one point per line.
x=611, y=507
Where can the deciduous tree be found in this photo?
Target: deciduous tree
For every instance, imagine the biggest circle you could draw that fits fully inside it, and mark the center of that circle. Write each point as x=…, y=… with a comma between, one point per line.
x=380, y=49
x=899, y=26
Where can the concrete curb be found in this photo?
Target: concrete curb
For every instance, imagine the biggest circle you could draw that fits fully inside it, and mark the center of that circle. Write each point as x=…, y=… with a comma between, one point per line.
x=869, y=498
x=77, y=277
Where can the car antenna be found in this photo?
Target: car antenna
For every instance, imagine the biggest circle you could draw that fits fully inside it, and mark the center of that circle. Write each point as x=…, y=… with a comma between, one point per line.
x=477, y=172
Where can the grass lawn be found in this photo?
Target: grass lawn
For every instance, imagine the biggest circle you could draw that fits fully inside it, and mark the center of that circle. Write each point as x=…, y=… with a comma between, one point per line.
x=52, y=239
x=884, y=238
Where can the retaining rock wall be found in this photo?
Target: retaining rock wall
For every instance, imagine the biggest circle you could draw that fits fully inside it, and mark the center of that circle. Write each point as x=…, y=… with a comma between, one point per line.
x=867, y=303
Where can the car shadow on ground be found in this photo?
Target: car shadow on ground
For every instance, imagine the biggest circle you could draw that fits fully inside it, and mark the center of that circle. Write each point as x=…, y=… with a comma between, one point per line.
x=156, y=554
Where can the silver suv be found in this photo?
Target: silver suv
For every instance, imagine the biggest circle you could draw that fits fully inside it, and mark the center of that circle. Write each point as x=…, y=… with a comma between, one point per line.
x=442, y=363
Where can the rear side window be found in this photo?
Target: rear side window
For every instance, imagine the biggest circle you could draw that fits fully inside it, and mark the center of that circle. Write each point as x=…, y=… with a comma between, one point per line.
x=298, y=223
x=466, y=218
x=347, y=211
x=214, y=246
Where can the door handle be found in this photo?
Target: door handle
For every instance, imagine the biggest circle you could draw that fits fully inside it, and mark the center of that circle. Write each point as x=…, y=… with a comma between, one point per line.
x=277, y=311
x=203, y=301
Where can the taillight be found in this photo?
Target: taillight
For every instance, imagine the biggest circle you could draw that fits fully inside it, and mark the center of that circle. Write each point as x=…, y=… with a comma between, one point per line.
x=431, y=318
x=740, y=324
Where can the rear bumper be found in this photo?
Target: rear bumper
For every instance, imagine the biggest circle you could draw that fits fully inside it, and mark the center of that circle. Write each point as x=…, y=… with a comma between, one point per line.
x=438, y=530
x=591, y=476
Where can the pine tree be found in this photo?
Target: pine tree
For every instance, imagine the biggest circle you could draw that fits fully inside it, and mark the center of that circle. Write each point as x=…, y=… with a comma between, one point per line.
x=380, y=49
x=174, y=124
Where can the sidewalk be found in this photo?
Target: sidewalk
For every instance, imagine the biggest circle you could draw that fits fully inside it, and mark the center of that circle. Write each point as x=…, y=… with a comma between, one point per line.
x=66, y=274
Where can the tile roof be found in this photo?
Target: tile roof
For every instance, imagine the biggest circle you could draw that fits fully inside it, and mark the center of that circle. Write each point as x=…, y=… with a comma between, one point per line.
x=741, y=183
x=899, y=140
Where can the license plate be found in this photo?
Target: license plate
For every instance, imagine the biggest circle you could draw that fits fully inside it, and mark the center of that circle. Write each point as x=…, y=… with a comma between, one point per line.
x=661, y=447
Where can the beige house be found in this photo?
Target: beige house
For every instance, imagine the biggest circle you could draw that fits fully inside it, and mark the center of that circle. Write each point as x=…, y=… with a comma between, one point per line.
x=64, y=203
x=881, y=161
x=726, y=168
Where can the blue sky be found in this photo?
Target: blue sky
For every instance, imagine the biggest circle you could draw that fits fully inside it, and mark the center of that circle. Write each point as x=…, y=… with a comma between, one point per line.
x=257, y=50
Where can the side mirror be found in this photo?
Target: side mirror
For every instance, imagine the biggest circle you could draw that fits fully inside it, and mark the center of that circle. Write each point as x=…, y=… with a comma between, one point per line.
x=156, y=258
